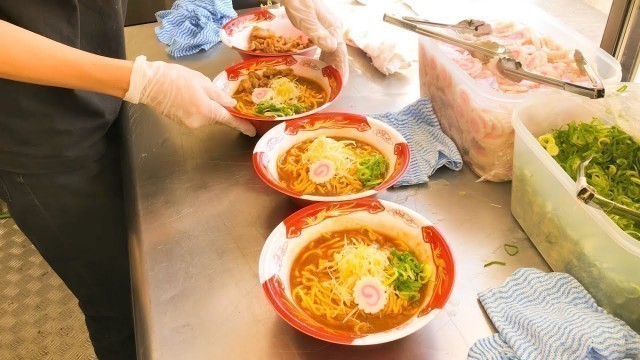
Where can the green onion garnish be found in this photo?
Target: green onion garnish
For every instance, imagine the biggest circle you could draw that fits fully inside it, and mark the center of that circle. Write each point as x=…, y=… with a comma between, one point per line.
x=495, y=263
x=371, y=170
x=511, y=250
x=614, y=167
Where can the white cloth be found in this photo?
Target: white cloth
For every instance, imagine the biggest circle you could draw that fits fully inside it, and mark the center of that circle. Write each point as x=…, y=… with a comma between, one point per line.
x=387, y=54
x=391, y=49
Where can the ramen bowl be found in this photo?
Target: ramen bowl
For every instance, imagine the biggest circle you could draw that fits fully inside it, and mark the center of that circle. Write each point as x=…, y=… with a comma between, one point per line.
x=236, y=33
x=290, y=238
x=324, y=78
x=277, y=141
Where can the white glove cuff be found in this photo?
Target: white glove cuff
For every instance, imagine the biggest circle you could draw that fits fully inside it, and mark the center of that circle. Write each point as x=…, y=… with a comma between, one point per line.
x=137, y=80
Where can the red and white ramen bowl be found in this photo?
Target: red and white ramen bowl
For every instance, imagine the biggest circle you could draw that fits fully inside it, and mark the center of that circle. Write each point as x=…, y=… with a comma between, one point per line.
x=289, y=237
x=342, y=125
x=325, y=75
x=235, y=33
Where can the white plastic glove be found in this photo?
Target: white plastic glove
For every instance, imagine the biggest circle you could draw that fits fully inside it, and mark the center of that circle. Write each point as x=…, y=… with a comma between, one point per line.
x=183, y=95
x=315, y=20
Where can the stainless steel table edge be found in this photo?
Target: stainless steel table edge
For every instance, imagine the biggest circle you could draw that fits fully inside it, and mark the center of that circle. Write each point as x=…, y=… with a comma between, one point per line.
x=199, y=217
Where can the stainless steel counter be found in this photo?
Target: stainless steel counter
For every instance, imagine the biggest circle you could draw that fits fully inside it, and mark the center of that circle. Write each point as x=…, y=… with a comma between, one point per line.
x=200, y=217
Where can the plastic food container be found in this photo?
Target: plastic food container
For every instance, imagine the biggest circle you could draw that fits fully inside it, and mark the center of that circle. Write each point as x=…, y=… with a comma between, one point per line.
x=573, y=237
x=475, y=116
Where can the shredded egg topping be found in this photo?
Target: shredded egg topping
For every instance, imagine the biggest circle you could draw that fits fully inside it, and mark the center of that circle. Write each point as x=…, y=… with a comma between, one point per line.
x=340, y=153
x=284, y=90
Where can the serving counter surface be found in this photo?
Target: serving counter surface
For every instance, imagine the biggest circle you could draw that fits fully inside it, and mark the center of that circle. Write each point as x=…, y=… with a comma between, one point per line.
x=200, y=216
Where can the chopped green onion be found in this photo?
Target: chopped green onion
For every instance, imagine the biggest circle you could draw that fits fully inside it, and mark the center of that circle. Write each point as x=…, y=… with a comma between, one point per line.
x=549, y=143
x=409, y=274
x=511, y=250
x=546, y=139
x=495, y=263
x=553, y=149
x=622, y=88
x=614, y=166
x=371, y=170
x=364, y=173
x=270, y=109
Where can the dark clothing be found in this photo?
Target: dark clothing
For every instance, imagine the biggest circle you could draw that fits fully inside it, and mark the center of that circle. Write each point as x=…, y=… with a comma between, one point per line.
x=44, y=128
x=75, y=219
x=60, y=169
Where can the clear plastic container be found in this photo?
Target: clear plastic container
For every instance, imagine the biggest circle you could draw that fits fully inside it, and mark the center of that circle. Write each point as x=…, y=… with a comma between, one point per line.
x=475, y=116
x=573, y=237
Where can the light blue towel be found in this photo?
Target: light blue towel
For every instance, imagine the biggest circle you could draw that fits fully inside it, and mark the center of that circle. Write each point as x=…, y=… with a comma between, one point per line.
x=430, y=147
x=193, y=25
x=551, y=316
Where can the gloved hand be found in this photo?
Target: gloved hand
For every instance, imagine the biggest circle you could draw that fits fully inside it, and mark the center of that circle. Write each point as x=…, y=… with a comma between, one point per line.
x=183, y=95
x=315, y=20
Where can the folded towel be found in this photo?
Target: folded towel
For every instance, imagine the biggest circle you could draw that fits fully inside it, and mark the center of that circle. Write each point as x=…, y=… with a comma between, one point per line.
x=430, y=147
x=193, y=25
x=551, y=316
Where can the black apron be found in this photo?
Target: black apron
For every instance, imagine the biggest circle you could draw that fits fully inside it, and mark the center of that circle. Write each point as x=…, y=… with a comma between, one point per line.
x=46, y=129
x=60, y=171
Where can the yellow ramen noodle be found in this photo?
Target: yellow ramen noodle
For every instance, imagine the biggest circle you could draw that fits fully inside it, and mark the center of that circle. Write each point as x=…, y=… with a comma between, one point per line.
x=285, y=93
x=358, y=166
x=322, y=292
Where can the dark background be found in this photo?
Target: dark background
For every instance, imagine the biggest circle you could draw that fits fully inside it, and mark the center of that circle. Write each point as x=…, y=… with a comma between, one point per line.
x=143, y=11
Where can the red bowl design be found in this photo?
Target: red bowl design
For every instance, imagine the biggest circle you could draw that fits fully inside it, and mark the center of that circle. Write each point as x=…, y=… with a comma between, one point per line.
x=265, y=18
x=374, y=132
x=326, y=75
x=297, y=228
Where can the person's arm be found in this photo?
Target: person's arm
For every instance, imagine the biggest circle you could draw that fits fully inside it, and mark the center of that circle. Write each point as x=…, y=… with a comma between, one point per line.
x=172, y=90
x=29, y=57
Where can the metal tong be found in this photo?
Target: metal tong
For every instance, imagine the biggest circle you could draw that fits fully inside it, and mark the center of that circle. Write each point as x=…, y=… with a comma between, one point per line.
x=481, y=50
x=512, y=69
x=509, y=67
x=586, y=68
x=587, y=194
x=470, y=26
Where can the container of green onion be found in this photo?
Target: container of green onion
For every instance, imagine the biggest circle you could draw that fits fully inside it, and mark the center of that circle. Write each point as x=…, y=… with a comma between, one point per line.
x=554, y=133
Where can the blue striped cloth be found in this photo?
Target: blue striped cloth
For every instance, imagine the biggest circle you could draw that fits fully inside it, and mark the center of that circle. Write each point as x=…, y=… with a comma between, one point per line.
x=193, y=25
x=551, y=316
x=430, y=147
